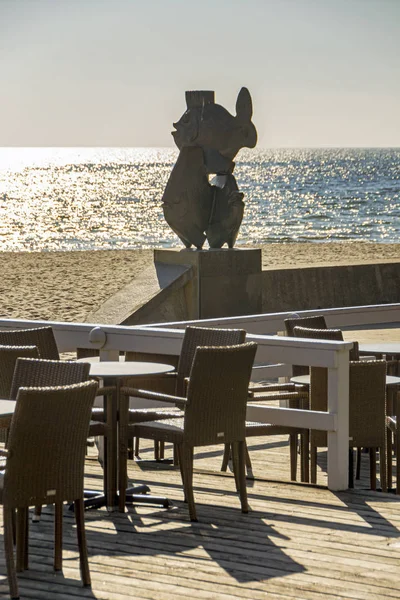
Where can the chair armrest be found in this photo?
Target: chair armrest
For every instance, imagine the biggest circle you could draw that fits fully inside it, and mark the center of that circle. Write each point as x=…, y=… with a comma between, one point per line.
x=149, y=395
x=276, y=396
x=104, y=391
x=391, y=423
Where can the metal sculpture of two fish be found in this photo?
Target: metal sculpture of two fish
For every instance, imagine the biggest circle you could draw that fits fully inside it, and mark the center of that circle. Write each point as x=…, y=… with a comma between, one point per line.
x=208, y=138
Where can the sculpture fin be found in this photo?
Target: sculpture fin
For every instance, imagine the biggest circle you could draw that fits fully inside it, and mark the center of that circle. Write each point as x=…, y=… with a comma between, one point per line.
x=244, y=105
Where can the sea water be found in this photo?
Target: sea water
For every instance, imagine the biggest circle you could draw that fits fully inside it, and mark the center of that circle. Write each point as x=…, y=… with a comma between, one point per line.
x=109, y=198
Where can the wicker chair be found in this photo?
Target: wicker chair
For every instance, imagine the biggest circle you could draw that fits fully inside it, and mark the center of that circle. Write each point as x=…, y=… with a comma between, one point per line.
x=173, y=383
x=41, y=337
x=337, y=336
x=8, y=358
x=30, y=372
x=215, y=412
x=45, y=464
x=314, y=322
x=367, y=413
x=326, y=334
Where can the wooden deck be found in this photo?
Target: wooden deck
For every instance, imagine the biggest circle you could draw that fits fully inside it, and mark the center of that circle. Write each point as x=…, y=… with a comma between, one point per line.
x=298, y=541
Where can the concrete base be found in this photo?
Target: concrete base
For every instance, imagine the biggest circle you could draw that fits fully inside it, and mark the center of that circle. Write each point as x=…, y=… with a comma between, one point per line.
x=226, y=282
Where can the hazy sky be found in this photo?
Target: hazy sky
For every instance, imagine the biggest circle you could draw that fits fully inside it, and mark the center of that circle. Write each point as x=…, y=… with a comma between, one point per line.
x=114, y=72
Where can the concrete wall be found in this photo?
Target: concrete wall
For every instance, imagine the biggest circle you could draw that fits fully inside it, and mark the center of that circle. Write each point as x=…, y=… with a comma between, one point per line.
x=330, y=287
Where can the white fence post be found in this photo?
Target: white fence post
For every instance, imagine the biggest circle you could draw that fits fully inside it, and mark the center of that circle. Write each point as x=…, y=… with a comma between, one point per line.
x=338, y=440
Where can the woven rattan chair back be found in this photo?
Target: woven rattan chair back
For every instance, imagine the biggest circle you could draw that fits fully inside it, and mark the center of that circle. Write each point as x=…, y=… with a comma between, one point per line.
x=47, y=444
x=41, y=337
x=326, y=334
x=316, y=322
x=8, y=358
x=161, y=383
x=367, y=402
x=202, y=336
x=30, y=372
x=218, y=393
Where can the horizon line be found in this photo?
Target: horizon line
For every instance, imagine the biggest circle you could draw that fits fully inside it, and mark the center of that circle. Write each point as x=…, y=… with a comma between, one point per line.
x=327, y=147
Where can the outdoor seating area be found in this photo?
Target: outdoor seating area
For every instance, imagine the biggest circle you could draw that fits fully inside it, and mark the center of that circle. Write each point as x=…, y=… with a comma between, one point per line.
x=236, y=428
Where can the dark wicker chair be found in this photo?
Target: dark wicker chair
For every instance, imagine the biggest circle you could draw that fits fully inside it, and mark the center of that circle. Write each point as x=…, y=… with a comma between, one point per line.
x=41, y=337
x=173, y=383
x=45, y=464
x=30, y=372
x=337, y=336
x=367, y=413
x=215, y=413
x=314, y=322
x=326, y=334
x=8, y=358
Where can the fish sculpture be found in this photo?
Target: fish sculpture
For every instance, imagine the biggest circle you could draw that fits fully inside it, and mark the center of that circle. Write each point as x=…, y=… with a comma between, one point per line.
x=208, y=138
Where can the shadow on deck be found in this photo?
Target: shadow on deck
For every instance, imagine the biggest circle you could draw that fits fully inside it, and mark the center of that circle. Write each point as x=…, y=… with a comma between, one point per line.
x=298, y=541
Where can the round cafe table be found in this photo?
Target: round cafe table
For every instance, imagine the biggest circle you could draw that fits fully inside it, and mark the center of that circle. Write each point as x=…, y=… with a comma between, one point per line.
x=112, y=373
x=7, y=408
x=389, y=350
x=305, y=380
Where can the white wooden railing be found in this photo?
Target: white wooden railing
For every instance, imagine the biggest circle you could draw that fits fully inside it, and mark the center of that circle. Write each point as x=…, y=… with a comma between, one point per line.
x=276, y=353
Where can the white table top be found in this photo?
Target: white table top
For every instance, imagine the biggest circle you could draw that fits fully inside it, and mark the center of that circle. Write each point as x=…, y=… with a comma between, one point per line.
x=305, y=380
x=107, y=368
x=7, y=408
x=381, y=347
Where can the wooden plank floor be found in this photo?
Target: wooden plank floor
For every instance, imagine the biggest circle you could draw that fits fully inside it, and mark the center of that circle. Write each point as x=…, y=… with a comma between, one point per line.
x=298, y=541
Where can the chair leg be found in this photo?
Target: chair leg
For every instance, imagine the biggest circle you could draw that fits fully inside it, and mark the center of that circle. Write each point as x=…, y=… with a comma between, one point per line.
x=186, y=460
x=9, y=552
x=389, y=459
x=227, y=455
x=293, y=440
x=58, y=533
x=235, y=464
x=313, y=464
x=122, y=472
x=372, y=468
x=305, y=456
x=22, y=539
x=177, y=450
x=162, y=450
x=358, y=464
x=14, y=524
x=156, y=450
x=26, y=545
x=83, y=553
x=176, y=457
x=239, y=462
x=351, y=468
x=383, y=469
x=137, y=446
x=249, y=467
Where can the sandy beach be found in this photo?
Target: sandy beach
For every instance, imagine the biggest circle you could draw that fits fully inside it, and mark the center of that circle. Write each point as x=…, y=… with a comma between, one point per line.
x=66, y=286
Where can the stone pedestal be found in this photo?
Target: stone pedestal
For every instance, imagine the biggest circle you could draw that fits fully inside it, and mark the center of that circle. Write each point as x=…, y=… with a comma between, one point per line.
x=226, y=282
